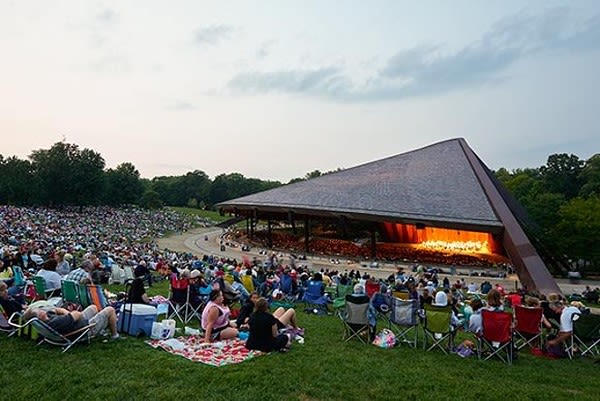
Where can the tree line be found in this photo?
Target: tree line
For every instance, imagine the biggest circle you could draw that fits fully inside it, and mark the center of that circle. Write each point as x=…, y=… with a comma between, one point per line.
x=561, y=199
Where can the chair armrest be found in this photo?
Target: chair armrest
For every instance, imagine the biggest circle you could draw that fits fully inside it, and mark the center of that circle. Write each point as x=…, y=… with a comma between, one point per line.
x=79, y=330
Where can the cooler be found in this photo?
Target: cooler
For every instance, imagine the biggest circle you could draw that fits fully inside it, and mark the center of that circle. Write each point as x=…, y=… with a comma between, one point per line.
x=142, y=317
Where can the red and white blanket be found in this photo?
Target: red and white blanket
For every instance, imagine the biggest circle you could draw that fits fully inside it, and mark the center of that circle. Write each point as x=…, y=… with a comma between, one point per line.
x=216, y=354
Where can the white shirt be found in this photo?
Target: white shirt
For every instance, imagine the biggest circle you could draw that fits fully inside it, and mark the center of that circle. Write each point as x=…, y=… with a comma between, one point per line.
x=51, y=278
x=566, y=318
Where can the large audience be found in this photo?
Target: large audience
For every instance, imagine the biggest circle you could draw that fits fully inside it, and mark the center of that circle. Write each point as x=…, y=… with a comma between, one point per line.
x=86, y=244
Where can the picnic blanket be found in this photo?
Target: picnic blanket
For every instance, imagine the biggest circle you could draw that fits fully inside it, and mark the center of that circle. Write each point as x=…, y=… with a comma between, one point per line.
x=221, y=353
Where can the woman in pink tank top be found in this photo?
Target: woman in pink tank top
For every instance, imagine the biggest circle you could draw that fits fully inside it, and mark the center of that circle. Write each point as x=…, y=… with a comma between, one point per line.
x=215, y=319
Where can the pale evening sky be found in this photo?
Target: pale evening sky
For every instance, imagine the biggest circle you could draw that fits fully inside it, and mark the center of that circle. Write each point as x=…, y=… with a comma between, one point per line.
x=275, y=89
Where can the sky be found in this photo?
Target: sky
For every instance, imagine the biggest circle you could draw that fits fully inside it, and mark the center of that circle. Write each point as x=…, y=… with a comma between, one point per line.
x=276, y=89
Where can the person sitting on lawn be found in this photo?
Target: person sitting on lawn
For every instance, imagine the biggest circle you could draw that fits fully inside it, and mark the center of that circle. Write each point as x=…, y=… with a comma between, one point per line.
x=246, y=310
x=65, y=322
x=51, y=278
x=137, y=292
x=554, y=346
x=475, y=322
x=264, y=330
x=215, y=319
x=494, y=301
x=9, y=303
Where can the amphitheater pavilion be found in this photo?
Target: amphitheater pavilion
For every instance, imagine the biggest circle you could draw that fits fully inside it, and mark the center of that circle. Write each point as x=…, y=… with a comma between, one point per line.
x=440, y=192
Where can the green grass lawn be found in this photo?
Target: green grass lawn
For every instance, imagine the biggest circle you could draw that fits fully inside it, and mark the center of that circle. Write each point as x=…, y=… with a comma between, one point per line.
x=323, y=368
x=214, y=216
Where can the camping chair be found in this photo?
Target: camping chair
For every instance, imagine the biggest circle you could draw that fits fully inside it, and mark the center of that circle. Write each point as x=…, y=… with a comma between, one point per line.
x=70, y=292
x=437, y=327
x=128, y=273
x=66, y=341
x=339, y=302
x=40, y=288
x=314, y=298
x=528, y=326
x=84, y=297
x=586, y=335
x=96, y=296
x=496, y=336
x=117, y=274
x=356, y=318
x=372, y=288
x=403, y=320
x=404, y=295
x=179, y=300
x=247, y=282
x=5, y=322
x=19, y=277
x=286, y=286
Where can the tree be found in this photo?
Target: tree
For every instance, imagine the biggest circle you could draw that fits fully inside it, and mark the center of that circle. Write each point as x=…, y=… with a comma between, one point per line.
x=590, y=177
x=151, y=200
x=69, y=176
x=123, y=185
x=579, y=228
x=561, y=174
x=18, y=184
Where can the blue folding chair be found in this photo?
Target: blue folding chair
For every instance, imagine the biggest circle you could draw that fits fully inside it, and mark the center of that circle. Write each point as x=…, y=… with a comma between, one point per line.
x=314, y=298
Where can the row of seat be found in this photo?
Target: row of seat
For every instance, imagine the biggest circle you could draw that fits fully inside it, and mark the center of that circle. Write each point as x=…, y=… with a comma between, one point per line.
x=502, y=332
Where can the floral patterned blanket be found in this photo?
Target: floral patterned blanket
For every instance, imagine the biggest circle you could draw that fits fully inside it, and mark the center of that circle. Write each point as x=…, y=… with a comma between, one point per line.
x=216, y=354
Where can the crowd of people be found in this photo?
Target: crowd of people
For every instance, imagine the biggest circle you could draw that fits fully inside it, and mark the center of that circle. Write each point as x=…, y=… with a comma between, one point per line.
x=449, y=254
x=83, y=244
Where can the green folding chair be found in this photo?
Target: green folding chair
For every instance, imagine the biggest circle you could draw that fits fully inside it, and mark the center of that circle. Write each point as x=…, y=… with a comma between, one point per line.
x=437, y=328
x=40, y=287
x=70, y=292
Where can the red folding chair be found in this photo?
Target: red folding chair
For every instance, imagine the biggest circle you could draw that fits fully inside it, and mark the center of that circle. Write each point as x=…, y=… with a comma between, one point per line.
x=528, y=326
x=496, y=339
x=179, y=300
x=372, y=288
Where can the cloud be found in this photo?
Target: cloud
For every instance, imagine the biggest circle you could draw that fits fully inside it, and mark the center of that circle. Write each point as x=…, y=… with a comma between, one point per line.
x=107, y=16
x=426, y=70
x=315, y=81
x=265, y=49
x=181, y=105
x=211, y=35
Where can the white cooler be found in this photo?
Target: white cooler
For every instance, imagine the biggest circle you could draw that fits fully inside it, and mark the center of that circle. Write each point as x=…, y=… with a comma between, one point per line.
x=142, y=317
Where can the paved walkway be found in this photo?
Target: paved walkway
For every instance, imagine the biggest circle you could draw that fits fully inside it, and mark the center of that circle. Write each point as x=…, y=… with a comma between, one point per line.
x=194, y=241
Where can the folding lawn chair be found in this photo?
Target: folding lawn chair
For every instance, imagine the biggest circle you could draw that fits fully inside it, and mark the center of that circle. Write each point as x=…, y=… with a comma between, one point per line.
x=40, y=288
x=403, y=320
x=314, y=298
x=286, y=286
x=372, y=288
x=356, y=318
x=496, y=338
x=404, y=295
x=70, y=292
x=128, y=273
x=84, y=296
x=5, y=322
x=179, y=299
x=96, y=296
x=117, y=274
x=586, y=335
x=66, y=341
x=528, y=326
x=339, y=302
x=247, y=282
x=437, y=327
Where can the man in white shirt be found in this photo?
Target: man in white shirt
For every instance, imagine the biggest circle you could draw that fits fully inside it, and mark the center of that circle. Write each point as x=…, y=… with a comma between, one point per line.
x=566, y=322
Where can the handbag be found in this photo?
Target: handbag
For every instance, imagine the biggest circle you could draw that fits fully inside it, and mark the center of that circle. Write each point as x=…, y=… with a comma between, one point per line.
x=385, y=339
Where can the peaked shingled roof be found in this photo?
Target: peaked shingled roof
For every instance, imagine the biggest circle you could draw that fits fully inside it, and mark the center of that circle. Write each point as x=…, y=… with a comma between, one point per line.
x=442, y=185
x=434, y=184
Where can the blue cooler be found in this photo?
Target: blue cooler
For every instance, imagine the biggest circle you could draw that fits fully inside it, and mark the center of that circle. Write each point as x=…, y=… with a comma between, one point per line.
x=142, y=317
